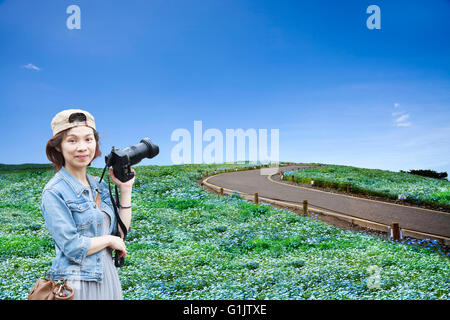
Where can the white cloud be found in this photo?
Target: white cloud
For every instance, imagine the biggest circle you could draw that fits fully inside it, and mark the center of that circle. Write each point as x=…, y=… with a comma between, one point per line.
x=31, y=66
x=402, y=118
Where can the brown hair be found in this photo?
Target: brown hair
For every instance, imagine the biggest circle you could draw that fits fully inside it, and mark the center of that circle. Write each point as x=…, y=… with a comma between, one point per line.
x=57, y=157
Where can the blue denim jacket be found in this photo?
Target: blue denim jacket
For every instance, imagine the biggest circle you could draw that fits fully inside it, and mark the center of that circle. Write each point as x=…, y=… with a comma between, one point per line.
x=72, y=219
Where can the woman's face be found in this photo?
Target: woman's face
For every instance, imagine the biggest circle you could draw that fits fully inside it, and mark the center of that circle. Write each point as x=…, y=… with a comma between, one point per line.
x=78, y=147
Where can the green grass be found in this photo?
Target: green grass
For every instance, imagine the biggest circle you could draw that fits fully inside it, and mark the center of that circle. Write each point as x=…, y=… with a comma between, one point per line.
x=186, y=243
x=417, y=189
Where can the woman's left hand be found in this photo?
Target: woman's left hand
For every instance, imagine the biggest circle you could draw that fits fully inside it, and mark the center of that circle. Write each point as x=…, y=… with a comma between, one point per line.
x=122, y=185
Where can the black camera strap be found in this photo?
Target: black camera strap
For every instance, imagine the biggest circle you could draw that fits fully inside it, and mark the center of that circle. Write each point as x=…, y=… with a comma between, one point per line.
x=118, y=262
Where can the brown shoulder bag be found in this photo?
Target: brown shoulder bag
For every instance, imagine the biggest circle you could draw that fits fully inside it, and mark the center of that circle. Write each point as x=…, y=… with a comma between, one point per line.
x=46, y=289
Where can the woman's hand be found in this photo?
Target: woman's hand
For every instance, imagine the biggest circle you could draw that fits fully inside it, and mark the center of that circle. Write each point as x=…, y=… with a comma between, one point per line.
x=113, y=242
x=122, y=185
x=116, y=243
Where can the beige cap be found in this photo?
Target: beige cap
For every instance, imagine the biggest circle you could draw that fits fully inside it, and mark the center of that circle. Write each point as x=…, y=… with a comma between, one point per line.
x=63, y=121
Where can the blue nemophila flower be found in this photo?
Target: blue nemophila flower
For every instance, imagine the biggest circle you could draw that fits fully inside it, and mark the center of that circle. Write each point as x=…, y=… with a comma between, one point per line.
x=189, y=244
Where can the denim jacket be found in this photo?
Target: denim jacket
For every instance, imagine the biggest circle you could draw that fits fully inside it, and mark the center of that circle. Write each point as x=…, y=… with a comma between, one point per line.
x=72, y=218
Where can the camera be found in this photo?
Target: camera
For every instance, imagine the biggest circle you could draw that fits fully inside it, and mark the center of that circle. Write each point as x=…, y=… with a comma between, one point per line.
x=121, y=160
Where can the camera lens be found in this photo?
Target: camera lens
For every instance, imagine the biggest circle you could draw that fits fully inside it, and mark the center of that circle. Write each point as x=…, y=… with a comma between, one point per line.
x=153, y=149
x=144, y=149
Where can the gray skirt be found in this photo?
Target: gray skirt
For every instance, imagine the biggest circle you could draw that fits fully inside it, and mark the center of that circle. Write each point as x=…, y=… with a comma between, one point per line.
x=109, y=288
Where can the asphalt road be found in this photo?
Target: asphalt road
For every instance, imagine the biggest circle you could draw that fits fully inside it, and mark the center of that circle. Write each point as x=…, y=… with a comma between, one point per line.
x=412, y=218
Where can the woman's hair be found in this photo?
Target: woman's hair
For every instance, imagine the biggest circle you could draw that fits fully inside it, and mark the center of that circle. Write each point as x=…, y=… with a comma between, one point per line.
x=57, y=157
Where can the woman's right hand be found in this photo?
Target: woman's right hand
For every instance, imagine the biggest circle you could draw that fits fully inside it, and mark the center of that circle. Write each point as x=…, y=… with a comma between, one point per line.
x=116, y=243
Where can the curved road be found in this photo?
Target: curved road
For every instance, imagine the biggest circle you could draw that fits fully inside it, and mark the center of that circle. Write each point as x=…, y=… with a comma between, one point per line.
x=412, y=218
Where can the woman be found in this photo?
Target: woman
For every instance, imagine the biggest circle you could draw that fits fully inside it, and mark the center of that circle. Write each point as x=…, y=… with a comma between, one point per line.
x=78, y=211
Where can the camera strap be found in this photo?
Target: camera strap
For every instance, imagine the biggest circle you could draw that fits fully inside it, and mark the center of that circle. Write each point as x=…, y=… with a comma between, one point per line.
x=116, y=210
x=118, y=262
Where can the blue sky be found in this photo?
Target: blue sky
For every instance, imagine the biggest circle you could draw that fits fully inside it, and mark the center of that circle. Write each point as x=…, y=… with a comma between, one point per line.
x=337, y=91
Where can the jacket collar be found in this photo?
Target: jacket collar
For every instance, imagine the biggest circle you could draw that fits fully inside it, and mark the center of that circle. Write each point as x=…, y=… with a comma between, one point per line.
x=76, y=185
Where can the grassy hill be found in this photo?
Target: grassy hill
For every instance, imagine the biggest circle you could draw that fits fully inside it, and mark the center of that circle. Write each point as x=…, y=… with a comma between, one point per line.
x=381, y=183
x=25, y=167
x=186, y=243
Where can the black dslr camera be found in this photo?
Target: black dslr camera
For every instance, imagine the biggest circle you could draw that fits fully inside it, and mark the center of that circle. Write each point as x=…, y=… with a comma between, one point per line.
x=122, y=159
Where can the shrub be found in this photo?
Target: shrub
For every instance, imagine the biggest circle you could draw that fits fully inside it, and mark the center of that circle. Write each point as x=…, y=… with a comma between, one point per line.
x=428, y=173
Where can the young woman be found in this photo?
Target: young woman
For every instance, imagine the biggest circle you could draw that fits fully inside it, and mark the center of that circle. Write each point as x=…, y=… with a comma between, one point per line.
x=78, y=211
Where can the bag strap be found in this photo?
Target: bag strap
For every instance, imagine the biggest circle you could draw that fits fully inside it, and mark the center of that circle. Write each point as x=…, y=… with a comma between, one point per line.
x=98, y=200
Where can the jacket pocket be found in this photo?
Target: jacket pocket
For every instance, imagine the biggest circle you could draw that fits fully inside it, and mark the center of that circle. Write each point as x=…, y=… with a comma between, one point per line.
x=81, y=214
x=106, y=199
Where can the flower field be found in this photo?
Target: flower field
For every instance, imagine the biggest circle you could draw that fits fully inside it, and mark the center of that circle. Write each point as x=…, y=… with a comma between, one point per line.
x=186, y=243
x=393, y=185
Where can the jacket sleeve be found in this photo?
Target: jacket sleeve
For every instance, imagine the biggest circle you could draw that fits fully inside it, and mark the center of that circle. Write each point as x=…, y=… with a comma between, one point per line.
x=60, y=223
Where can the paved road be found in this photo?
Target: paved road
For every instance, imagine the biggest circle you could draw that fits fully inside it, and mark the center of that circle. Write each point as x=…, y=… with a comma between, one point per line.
x=412, y=218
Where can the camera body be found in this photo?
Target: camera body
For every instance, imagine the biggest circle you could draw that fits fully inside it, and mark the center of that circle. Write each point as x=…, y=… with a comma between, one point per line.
x=121, y=160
